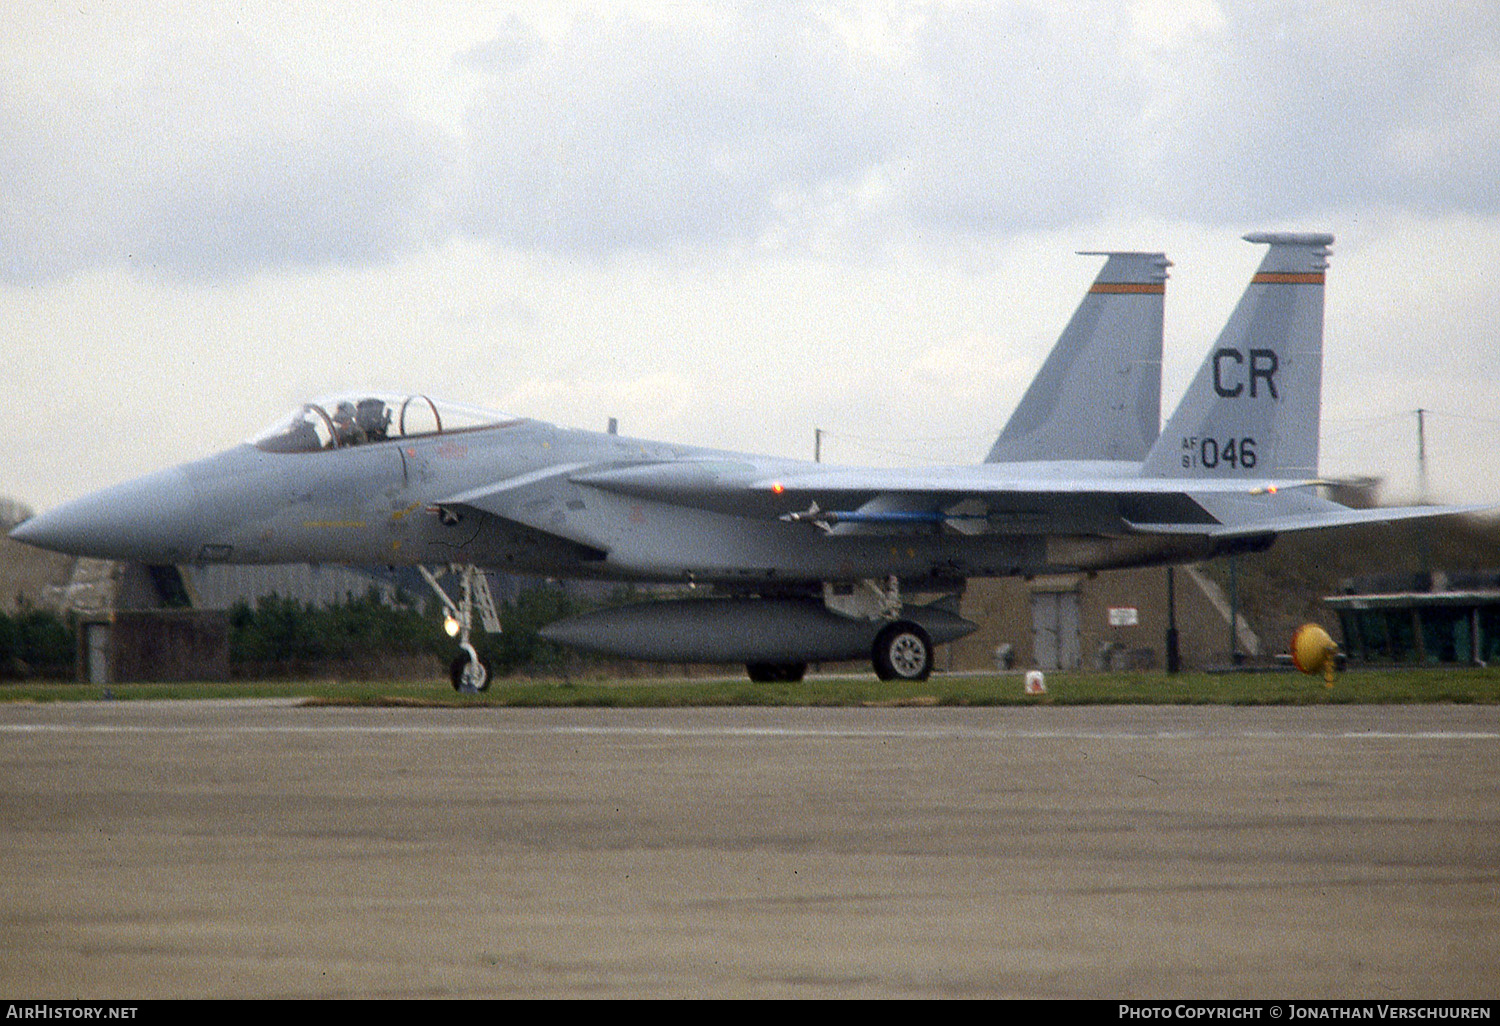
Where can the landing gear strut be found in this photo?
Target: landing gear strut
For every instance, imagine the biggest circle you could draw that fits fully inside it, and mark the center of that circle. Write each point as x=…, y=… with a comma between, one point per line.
x=469, y=672
x=902, y=649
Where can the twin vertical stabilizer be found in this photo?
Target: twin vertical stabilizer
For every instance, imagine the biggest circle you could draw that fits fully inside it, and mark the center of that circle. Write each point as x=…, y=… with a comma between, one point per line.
x=1098, y=395
x=1253, y=408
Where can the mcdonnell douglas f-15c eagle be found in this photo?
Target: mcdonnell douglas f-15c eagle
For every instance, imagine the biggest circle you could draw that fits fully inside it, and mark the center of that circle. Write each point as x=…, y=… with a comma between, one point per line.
x=805, y=561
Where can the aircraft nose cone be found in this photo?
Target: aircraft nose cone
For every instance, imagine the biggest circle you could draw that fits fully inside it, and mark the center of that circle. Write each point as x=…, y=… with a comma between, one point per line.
x=151, y=519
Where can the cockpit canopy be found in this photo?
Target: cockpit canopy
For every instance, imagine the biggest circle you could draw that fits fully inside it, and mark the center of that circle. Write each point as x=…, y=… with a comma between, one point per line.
x=362, y=418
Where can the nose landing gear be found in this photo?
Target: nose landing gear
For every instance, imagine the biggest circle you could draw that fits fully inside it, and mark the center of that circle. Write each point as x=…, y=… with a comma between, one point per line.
x=469, y=672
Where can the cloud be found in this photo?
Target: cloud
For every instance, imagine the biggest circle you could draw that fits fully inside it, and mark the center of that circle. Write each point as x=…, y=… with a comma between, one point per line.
x=1294, y=108
x=348, y=182
x=215, y=161
x=668, y=396
x=630, y=133
x=59, y=208
x=790, y=127
x=1020, y=118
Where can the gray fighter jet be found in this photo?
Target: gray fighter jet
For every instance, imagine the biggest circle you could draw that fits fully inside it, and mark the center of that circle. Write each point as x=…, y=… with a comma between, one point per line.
x=796, y=561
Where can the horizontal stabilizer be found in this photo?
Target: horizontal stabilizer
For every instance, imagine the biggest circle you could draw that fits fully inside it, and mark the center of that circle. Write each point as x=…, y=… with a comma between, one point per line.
x=1309, y=521
x=1345, y=518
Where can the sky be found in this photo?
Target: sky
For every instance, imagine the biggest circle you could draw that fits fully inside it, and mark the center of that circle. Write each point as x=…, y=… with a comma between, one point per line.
x=725, y=224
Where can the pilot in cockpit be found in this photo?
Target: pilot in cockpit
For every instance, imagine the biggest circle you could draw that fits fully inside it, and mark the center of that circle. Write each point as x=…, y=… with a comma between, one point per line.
x=373, y=419
x=345, y=430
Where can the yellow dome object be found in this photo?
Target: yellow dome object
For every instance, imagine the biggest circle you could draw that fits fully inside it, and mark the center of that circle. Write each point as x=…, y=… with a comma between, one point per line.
x=1313, y=652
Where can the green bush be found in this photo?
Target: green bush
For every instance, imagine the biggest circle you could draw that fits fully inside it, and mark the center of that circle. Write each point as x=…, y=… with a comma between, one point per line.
x=36, y=643
x=289, y=633
x=285, y=630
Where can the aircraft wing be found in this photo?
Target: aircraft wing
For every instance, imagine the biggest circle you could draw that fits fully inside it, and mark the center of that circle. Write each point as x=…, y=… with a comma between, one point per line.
x=971, y=500
x=992, y=497
x=974, y=481
x=1225, y=509
x=693, y=482
x=1039, y=496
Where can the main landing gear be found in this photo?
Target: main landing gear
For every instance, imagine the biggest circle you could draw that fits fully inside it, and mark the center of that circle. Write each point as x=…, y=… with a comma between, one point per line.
x=468, y=671
x=902, y=651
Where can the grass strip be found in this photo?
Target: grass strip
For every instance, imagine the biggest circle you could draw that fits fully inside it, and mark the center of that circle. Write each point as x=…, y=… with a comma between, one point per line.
x=1365, y=686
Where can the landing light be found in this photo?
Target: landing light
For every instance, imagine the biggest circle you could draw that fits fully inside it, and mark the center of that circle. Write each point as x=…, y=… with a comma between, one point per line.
x=451, y=625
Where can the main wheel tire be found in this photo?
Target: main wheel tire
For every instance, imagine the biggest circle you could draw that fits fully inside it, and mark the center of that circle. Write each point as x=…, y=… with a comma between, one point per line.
x=776, y=673
x=903, y=651
x=466, y=673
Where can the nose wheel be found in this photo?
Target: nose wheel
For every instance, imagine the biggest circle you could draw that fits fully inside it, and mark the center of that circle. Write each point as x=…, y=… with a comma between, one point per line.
x=470, y=674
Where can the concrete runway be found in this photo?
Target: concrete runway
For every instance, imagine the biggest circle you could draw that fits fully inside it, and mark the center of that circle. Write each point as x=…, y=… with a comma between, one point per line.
x=256, y=849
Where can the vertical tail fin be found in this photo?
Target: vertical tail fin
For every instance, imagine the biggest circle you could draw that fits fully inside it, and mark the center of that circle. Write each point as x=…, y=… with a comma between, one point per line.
x=1253, y=408
x=1098, y=395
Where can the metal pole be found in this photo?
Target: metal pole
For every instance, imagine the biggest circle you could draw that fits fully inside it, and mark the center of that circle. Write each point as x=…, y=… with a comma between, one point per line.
x=1422, y=451
x=817, y=445
x=1234, y=611
x=1424, y=551
x=1174, y=658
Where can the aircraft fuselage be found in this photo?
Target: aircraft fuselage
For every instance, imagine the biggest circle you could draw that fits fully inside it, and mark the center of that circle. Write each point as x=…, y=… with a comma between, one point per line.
x=381, y=504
